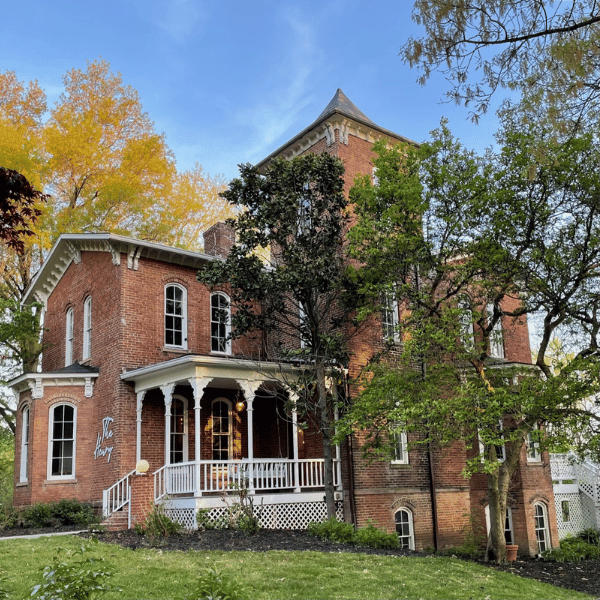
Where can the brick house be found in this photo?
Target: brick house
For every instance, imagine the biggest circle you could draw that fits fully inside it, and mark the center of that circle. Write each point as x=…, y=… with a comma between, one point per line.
x=138, y=367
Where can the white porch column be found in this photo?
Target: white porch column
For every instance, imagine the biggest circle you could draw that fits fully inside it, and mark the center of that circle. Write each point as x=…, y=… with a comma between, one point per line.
x=167, y=391
x=138, y=426
x=249, y=388
x=333, y=389
x=198, y=384
x=294, y=399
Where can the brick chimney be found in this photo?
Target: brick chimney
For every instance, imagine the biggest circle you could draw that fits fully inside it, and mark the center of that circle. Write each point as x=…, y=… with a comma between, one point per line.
x=218, y=240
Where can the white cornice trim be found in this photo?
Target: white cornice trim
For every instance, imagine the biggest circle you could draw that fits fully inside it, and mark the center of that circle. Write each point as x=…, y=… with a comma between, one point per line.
x=36, y=382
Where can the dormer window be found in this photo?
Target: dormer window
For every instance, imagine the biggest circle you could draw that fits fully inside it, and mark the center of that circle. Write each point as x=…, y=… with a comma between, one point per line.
x=220, y=320
x=175, y=316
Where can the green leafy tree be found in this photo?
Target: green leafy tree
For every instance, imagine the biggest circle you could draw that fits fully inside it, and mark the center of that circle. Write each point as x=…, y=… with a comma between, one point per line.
x=286, y=273
x=550, y=48
x=469, y=244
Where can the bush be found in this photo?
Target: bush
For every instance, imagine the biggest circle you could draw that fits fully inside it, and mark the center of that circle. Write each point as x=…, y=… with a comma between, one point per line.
x=37, y=515
x=373, y=537
x=72, y=512
x=332, y=530
x=80, y=578
x=591, y=536
x=572, y=550
x=157, y=524
x=214, y=586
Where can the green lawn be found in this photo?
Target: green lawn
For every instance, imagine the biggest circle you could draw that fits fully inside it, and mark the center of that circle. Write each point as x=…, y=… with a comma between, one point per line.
x=153, y=574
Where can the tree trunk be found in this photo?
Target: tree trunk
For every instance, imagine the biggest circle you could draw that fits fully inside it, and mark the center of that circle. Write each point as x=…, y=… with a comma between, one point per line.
x=325, y=418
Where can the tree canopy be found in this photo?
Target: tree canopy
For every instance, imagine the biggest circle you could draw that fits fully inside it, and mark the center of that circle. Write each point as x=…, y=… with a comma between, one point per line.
x=548, y=49
x=474, y=247
x=286, y=275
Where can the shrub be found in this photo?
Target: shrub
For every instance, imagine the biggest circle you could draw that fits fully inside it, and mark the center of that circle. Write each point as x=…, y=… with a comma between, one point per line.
x=215, y=586
x=80, y=578
x=332, y=530
x=373, y=537
x=72, y=512
x=572, y=550
x=37, y=515
x=591, y=536
x=157, y=524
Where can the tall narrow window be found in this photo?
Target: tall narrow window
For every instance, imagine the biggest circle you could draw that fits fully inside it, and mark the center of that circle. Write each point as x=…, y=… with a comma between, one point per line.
x=179, y=430
x=400, y=455
x=220, y=319
x=541, y=527
x=175, y=316
x=87, y=328
x=508, y=524
x=221, y=429
x=69, y=338
x=404, y=528
x=496, y=339
x=24, y=445
x=533, y=446
x=466, y=323
x=389, y=317
x=62, y=442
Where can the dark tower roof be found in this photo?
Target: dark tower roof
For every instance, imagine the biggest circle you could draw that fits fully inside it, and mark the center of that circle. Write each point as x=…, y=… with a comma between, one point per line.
x=342, y=104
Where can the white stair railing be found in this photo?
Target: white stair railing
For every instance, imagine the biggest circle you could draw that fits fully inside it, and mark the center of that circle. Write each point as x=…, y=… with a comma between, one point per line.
x=118, y=496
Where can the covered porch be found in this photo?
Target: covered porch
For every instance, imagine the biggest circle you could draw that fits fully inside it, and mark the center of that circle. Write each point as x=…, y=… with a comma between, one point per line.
x=209, y=426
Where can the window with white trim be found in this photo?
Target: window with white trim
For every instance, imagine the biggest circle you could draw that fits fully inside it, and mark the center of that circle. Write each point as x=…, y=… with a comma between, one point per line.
x=500, y=448
x=62, y=436
x=400, y=450
x=23, y=472
x=496, y=338
x=87, y=328
x=220, y=323
x=466, y=323
x=221, y=429
x=508, y=524
x=69, y=335
x=542, y=533
x=389, y=317
x=405, y=529
x=179, y=430
x=175, y=316
x=533, y=447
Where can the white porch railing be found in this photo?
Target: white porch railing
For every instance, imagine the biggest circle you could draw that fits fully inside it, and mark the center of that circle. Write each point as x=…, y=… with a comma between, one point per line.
x=257, y=475
x=118, y=496
x=584, y=473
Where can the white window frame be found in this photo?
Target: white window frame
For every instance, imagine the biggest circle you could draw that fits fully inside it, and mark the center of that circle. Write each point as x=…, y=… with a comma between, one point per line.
x=184, y=434
x=229, y=434
x=51, y=440
x=411, y=529
x=467, y=332
x=496, y=336
x=508, y=524
x=389, y=317
x=374, y=178
x=174, y=315
x=400, y=448
x=533, y=448
x=500, y=449
x=301, y=322
x=25, y=424
x=87, y=328
x=223, y=342
x=543, y=530
x=69, y=336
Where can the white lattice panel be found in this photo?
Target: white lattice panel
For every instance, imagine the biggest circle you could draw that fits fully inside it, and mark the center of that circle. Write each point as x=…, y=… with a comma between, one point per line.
x=579, y=517
x=183, y=516
x=284, y=516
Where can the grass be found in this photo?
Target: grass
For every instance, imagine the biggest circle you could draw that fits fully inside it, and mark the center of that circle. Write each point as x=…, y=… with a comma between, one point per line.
x=153, y=574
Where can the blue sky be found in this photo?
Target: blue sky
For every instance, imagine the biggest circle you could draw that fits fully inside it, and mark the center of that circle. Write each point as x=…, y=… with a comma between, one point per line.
x=229, y=81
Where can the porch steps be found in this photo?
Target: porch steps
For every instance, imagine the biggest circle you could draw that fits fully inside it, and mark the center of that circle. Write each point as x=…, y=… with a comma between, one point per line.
x=117, y=521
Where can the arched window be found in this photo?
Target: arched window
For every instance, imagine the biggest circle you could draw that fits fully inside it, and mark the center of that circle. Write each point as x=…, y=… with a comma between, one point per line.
x=69, y=337
x=62, y=436
x=221, y=429
x=542, y=533
x=23, y=475
x=175, y=316
x=179, y=430
x=87, y=328
x=404, y=528
x=508, y=526
x=220, y=323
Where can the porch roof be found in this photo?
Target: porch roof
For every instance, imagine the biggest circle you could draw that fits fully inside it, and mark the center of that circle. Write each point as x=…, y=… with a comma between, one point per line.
x=222, y=371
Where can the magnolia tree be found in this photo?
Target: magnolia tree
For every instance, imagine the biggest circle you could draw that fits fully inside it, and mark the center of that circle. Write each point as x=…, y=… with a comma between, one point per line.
x=287, y=277
x=469, y=244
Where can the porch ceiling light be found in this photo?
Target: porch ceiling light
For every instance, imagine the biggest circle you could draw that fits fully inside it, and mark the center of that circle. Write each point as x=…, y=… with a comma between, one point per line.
x=239, y=405
x=142, y=466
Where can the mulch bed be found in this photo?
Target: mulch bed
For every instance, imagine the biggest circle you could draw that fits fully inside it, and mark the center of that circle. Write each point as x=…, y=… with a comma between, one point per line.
x=582, y=577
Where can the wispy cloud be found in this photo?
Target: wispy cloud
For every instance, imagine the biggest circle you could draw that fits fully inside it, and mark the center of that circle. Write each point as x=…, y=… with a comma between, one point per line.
x=179, y=19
